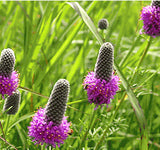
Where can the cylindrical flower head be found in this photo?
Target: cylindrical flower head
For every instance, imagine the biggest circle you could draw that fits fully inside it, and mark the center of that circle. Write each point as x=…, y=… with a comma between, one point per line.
x=103, y=24
x=155, y=3
x=104, y=64
x=56, y=105
x=7, y=62
x=12, y=103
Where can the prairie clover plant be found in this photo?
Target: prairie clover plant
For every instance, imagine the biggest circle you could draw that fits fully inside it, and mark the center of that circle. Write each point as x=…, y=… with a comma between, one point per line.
x=103, y=24
x=49, y=125
x=9, y=79
x=102, y=84
x=11, y=105
x=151, y=19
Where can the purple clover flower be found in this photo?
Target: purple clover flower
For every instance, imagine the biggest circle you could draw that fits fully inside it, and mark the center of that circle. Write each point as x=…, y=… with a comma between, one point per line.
x=151, y=20
x=45, y=132
x=9, y=84
x=100, y=91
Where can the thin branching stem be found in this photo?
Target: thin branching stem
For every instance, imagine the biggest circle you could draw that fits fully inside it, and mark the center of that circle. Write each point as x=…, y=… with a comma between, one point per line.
x=31, y=91
x=89, y=126
x=142, y=58
x=8, y=143
x=110, y=121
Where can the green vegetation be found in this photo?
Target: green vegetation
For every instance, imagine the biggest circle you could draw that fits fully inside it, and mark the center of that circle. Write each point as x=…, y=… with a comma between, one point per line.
x=56, y=40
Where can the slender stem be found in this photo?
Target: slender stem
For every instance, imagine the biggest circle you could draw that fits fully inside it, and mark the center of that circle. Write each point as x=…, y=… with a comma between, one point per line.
x=6, y=124
x=2, y=133
x=110, y=121
x=29, y=90
x=130, y=52
x=89, y=126
x=8, y=143
x=2, y=130
x=142, y=58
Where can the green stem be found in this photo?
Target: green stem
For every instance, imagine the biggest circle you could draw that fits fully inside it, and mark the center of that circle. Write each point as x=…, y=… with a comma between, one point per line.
x=89, y=126
x=6, y=124
x=110, y=121
x=29, y=90
x=130, y=52
x=2, y=130
x=2, y=133
x=142, y=58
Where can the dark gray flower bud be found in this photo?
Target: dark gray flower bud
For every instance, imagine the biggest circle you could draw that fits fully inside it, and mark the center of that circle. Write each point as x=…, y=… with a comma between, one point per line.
x=155, y=3
x=7, y=62
x=12, y=103
x=103, y=24
x=56, y=105
x=104, y=64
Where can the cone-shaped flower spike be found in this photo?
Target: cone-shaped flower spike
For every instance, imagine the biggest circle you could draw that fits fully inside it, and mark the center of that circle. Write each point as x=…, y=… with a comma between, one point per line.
x=56, y=105
x=8, y=77
x=49, y=125
x=102, y=84
x=12, y=103
x=7, y=62
x=104, y=64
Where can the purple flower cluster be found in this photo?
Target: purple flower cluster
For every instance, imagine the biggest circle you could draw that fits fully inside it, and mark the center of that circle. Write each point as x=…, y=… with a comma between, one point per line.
x=100, y=91
x=8, y=85
x=151, y=20
x=43, y=132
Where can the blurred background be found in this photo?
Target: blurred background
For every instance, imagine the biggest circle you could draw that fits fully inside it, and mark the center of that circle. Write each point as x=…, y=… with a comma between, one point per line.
x=51, y=41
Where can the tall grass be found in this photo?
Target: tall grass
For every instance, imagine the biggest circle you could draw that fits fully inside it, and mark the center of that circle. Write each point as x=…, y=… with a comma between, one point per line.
x=52, y=40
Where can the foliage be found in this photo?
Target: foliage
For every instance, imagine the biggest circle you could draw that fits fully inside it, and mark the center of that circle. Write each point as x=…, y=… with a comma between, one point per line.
x=51, y=41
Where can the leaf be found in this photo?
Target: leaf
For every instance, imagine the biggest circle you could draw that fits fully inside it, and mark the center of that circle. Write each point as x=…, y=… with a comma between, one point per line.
x=12, y=124
x=132, y=98
x=86, y=19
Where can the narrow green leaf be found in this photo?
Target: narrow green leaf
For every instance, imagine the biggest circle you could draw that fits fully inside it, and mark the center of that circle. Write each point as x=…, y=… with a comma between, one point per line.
x=86, y=19
x=60, y=52
x=12, y=124
x=132, y=98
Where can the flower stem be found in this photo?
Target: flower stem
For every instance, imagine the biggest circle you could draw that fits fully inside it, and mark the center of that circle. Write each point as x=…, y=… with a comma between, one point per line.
x=2, y=133
x=89, y=126
x=29, y=90
x=130, y=51
x=6, y=124
x=142, y=58
x=2, y=130
x=110, y=121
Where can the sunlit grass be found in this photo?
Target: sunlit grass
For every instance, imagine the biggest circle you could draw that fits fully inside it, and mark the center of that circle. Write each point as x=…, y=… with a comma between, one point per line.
x=52, y=41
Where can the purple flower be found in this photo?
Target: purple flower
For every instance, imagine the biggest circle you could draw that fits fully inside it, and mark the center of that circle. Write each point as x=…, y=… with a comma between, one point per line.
x=100, y=91
x=9, y=84
x=151, y=20
x=102, y=84
x=45, y=132
x=49, y=125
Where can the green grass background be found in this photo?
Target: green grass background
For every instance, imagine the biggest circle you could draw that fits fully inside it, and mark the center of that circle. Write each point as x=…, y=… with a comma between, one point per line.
x=51, y=41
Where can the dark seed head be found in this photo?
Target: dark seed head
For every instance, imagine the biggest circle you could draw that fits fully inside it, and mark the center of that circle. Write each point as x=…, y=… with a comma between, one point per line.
x=56, y=105
x=155, y=3
x=12, y=103
x=103, y=24
x=104, y=64
x=7, y=62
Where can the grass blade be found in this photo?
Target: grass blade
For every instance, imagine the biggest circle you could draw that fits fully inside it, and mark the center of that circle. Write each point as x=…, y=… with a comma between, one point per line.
x=132, y=98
